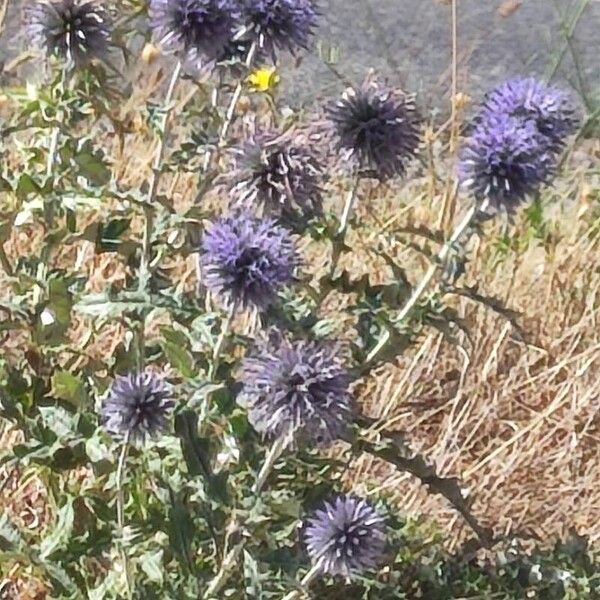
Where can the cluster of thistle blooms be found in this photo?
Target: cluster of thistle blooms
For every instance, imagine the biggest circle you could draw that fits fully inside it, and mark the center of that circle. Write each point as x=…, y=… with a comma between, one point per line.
x=297, y=390
x=515, y=141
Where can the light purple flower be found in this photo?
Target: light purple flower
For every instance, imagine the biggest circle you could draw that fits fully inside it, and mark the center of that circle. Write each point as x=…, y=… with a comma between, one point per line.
x=137, y=405
x=376, y=129
x=280, y=177
x=281, y=24
x=548, y=107
x=345, y=537
x=197, y=31
x=297, y=390
x=246, y=260
x=74, y=30
x=504, y=161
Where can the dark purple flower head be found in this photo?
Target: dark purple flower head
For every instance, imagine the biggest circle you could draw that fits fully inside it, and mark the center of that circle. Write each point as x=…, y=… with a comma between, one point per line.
x=281, y=177
x=505, y=160
x=246, y=260
x=549, y=108
x=281, y=24
x=198, y=31
x=297, y=390
x=74, y=30
x=377, y=129
x=137, y=405
x=346, y=537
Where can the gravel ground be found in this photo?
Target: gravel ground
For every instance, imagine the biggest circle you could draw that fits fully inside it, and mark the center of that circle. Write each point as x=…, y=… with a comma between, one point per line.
x=409, y=42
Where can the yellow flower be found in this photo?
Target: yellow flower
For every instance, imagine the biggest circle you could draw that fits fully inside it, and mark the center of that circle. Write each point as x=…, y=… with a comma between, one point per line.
x=264, y=79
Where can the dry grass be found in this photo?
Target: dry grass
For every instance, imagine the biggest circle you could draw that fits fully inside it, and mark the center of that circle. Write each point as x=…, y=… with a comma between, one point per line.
x=516, y=420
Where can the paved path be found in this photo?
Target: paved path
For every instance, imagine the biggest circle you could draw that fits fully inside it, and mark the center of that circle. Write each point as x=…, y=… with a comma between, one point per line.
x=409, y=40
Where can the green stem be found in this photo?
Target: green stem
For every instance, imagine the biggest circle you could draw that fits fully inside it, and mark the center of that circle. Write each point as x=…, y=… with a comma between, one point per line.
x=121, y=514
x=279, y=445
x=154, y=181
x=231, y=559
x=230, y=111
x=340, y=235
x=305, y=581
x=212, y=372
x=424, y=283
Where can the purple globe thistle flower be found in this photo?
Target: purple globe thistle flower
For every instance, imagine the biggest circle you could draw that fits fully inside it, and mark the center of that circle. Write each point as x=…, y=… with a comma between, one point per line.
x=198, y=31
x=137, y=405
x=548, y=107
x=280, y=176
x=281, y=24
x=247, y=260
x=297, y=390
x=345, y=537
x=376, y=128
x=505, y=160
x=74, y=30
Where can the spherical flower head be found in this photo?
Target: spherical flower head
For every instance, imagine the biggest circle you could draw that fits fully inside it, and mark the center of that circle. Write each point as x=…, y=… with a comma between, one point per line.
x=136, y=406
x=281, y=24
x=345, y=537
x=548, y=107
x=247, y=260
x=297, y=390
x=75, y=30
x=198, y=31
x=281, y=177
x=504, y=161
x=376, y=129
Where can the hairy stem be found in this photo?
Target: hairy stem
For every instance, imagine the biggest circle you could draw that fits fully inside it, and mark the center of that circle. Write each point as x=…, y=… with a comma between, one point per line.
x=305, y=581
x=49, y=199
x=454, y=120
x=348, y=208
x=279, y=445
x=235, y=98
x=121, y=514
x=231, y=559
x=154, y=181
x=221, y=340
x=424, y=283
x=340, y=236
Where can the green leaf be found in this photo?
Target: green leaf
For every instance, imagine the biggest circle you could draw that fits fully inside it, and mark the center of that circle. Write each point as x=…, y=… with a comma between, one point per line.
x=92, y=166
x=68, y=387
x=109, y=235
x=26, y=185
x=195, y=449
x=196, y=452
x=175, y=347
x=151, y=564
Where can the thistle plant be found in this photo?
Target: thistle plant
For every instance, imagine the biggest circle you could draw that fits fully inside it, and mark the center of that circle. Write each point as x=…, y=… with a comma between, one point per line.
x=196, y=31
x=247, y=260
x=280, y=177
x=345, y=537
x=296, y=390
x=76, y=31
x=192, y=380
x=281, y=25
x=136, y=406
